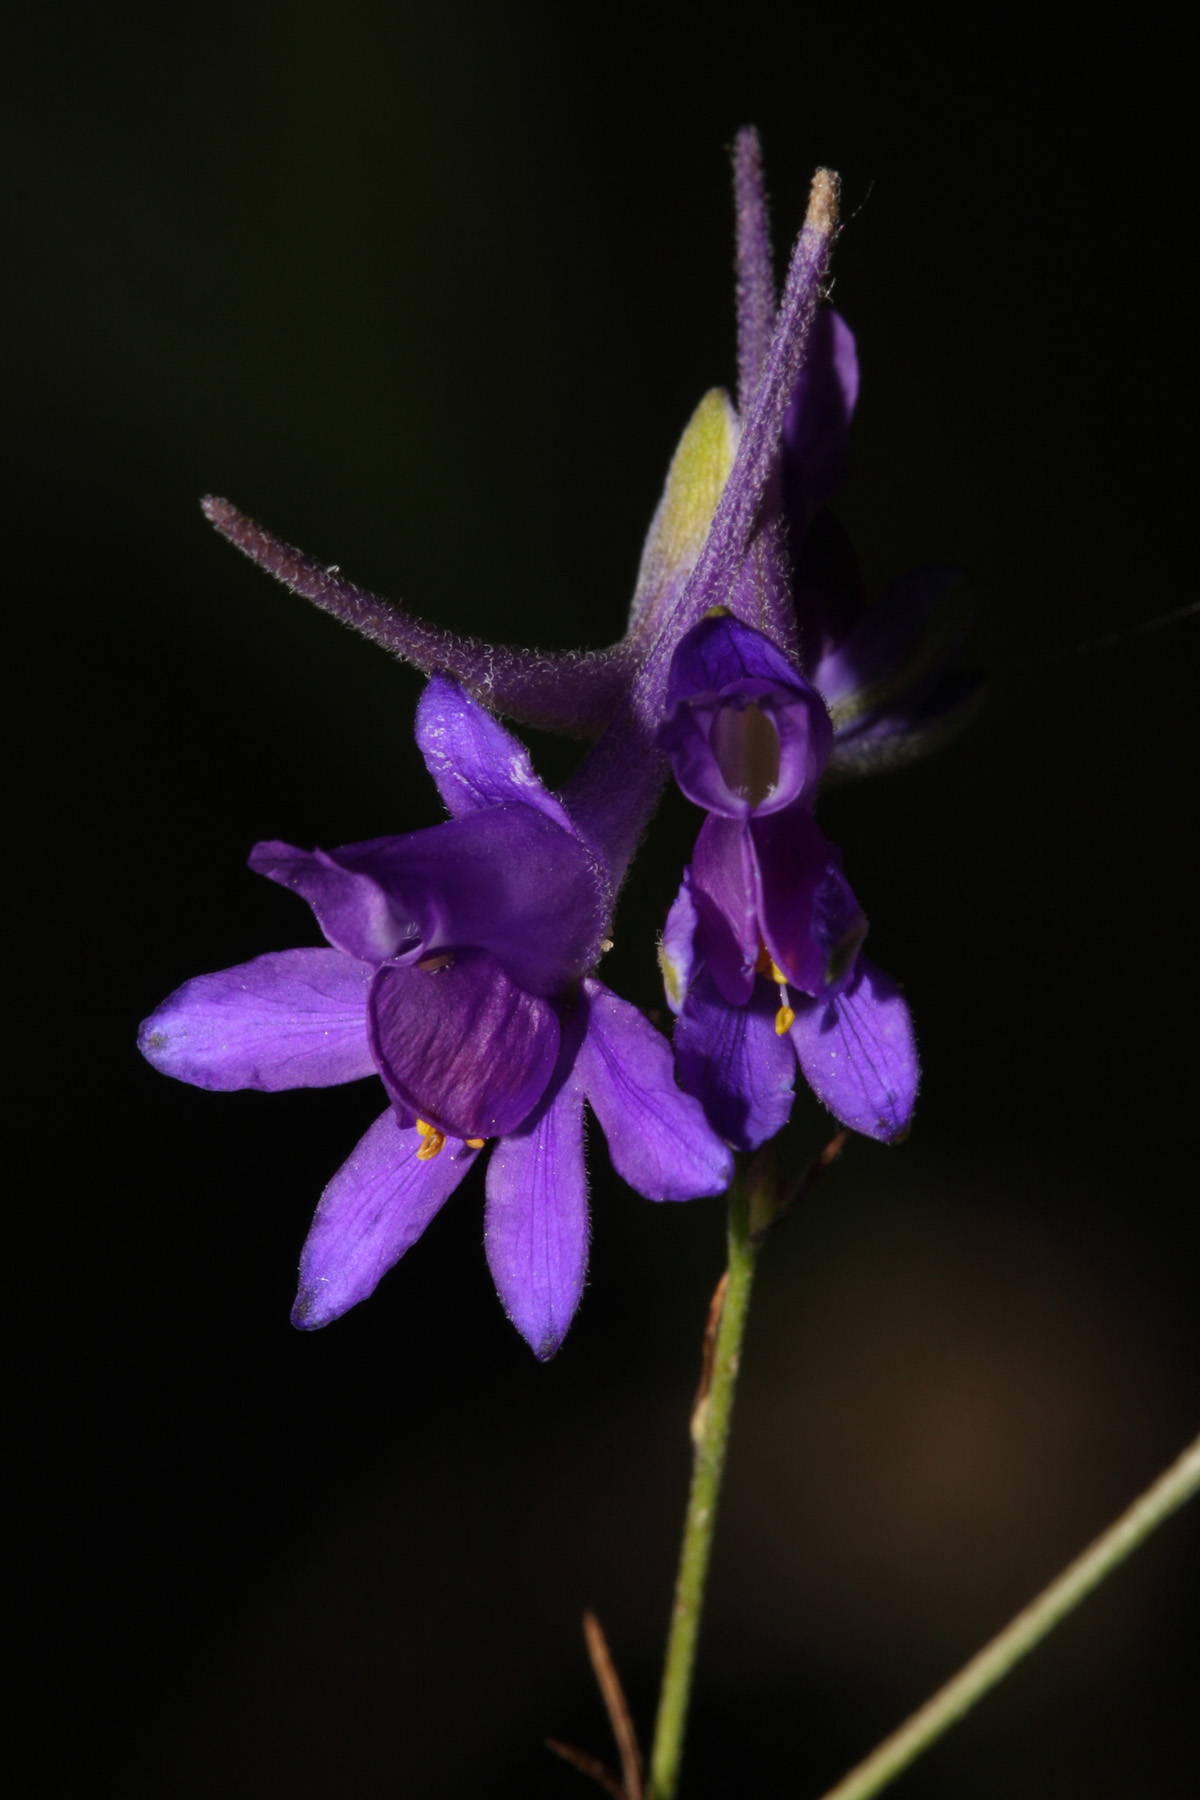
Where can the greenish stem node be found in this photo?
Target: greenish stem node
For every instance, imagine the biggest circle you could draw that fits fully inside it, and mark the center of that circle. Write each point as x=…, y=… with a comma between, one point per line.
x=710, y=1435
x=994, y=1661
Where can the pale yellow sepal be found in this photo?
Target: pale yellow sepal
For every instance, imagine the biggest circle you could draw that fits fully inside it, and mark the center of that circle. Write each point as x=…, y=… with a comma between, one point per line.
x=672, y=974
x=697, y=476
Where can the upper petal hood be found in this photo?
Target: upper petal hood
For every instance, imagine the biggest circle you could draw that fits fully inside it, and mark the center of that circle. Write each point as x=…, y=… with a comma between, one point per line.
x=506, y=879
x=745, y=732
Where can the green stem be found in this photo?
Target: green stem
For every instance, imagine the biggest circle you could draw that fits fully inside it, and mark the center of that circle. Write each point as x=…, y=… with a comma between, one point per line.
x=1179, y=1483
x=710, y=1432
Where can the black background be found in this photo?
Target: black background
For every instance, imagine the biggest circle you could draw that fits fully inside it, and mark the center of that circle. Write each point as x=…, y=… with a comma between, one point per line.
x=431, y=291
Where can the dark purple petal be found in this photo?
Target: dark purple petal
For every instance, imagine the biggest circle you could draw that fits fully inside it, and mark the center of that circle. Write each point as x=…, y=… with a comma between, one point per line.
x=827, y=586
x=294, y=1019
x=376, y=1206
x=723, y=881
x=734, y=1061
x=506, y=879
x=900, y=646
x=658, y=1137
x=816, y=430
x=576, y=692
x=745, y=732
x=893, y=739
x=755, y=276
x=859, y=1056
x=677, y=946
x=810, y=920
x=536, y=1224
x=475, y=762
x=460, y=1045
x=722, y=655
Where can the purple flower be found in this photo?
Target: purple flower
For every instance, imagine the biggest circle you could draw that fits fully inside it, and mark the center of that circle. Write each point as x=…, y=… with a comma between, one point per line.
x=459, y=971
x=461, y=960
x=761, y=954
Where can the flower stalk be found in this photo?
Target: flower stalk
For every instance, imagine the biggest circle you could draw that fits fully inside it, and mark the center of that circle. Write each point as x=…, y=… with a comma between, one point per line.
x=1178, y=1484
x=711, y=1419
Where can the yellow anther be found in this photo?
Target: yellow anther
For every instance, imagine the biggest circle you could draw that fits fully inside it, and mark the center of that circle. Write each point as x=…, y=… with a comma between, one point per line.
x=476, y=1143
x=778, y=975
x=434, y=1141
x=785, y=1018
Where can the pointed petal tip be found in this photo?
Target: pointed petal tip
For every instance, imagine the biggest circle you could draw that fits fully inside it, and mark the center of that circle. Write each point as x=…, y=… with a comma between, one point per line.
x=308, y=1313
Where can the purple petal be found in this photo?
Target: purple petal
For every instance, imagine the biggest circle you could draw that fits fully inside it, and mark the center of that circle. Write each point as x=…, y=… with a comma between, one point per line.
x=755, y=276
x=475, y=762
x=576, y=692
x=724, y=890
x=892, y=740
x=810, y=920
x=461, y=1046
x=859, y=1056
x=506, y=879
x=294, y=1019
x=721, y=655
x=816, y=430
x=677, y=947
x=658, y=1137
x=736, y=1063
x=536, y=1224
x=376, y=1206
x=745, y=731
x=901, y=644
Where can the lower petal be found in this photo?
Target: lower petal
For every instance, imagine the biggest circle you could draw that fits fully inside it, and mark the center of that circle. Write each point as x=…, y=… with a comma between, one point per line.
x=294, y=1019
x=460, y=1045
x=376, y=1206
x=723, y=888
x=536, y=1224
x=736, y=1063
x=658, y=1138
x=859, y=1056
x=811, y=922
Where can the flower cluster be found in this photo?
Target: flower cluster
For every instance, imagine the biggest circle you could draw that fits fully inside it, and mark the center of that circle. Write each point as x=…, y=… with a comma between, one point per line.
x=761, y=955
x=460, y=961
